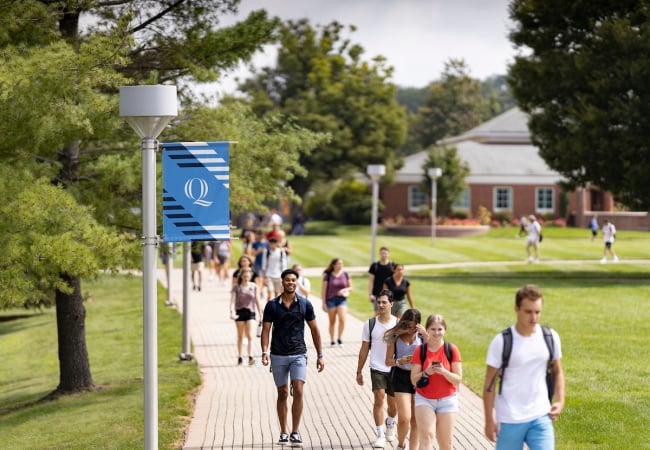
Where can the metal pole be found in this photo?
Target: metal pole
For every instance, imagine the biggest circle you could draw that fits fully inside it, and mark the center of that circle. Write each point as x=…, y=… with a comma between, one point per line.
x=373, y=224
x=149, y=244
x=185, y=352
x=434, y=205
x=170, y=265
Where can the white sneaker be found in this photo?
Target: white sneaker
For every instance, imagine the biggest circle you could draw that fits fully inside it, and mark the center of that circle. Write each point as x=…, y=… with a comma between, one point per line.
x=530, y=260
x=604, y=260
x=380, y=442
x=390, y=431
x=615, y=259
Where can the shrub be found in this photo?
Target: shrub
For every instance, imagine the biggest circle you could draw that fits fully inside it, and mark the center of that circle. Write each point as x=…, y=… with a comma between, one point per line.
x=483, y=215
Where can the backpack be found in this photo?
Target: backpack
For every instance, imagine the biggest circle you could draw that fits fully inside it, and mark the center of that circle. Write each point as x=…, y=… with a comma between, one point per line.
x=371, y=325
x=507, y=350
x=423, y=351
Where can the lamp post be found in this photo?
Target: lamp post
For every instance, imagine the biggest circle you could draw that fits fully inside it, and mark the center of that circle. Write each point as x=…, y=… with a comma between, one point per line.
x=434, y=173
x=148, y=109
x=375, y=172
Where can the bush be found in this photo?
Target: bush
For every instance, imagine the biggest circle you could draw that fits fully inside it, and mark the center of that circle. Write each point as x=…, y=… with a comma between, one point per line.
x=502, y=217
x=484, y=216
x=353, y=203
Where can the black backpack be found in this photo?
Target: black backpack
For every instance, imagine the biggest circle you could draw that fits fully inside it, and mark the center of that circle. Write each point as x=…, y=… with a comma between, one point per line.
x=507, y=350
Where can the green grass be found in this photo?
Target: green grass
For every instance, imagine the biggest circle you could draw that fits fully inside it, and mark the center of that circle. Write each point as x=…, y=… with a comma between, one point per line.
x=112, y=416
x=599, y=310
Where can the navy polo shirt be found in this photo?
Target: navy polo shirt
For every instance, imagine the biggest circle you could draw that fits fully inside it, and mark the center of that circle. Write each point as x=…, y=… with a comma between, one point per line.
x=288, y=332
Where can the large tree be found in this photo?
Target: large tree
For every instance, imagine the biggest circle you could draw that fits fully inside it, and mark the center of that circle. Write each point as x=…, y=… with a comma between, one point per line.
x=454, y=105
x=58, y=118
x=451, y=185
x=321, y=80
x=583, y=77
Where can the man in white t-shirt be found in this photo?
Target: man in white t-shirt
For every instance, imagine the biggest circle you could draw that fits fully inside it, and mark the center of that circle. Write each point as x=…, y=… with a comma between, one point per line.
x=532, y=241
x=373, y=343
x=609, y=233
x=274, y=262
x=519, y=411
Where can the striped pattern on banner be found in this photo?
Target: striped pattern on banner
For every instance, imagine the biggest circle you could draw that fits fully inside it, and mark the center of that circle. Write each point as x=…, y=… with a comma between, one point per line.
x=196, y=191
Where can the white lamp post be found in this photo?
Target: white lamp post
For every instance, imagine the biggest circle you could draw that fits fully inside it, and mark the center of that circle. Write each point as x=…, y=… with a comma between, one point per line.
x=434, y=173
x=375, y=172
x=148, y=109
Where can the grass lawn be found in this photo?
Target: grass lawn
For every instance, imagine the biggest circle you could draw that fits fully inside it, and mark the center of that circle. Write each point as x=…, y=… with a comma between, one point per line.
x=111, y=417
x=598, y=309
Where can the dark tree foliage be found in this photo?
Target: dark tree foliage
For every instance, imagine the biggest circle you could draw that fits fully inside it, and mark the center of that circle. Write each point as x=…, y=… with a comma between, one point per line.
x=584, y=77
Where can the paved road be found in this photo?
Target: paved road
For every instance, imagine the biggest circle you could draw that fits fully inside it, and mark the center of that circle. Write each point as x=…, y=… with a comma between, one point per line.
x=235, y=408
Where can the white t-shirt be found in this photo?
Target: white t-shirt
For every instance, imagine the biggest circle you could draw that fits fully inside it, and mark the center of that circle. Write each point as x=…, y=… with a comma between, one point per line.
x=303, y=282
x=524, y=396
x=534, y=230
x=274, y=262
x=379, y=346
x=609, y=230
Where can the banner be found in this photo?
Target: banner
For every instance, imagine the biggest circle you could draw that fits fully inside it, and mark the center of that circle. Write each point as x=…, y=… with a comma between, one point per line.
x=196, y=191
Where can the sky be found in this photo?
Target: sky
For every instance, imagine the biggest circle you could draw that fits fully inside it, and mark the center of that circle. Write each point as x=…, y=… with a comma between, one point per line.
x=416, y=36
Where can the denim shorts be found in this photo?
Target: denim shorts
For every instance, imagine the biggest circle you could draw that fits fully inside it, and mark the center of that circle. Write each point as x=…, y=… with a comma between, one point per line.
x=335, y=301
x=283, y=366
x=447, y=404
x=538, y=434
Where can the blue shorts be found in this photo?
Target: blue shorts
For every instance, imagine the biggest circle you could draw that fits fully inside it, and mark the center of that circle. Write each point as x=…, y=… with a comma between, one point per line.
x=447, y=404
x=283, y=366
x=538, y=434
x=336, y=301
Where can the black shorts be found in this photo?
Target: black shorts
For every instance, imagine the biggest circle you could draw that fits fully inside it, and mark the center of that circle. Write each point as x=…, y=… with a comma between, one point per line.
x=402, y=380
x=244, y=315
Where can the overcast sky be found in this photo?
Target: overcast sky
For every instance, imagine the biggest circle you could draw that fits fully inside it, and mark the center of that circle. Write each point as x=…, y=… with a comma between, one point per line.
x=416, y=36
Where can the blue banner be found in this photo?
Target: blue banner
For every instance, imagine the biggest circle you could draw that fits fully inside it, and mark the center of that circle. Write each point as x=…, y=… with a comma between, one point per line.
x=196, y=191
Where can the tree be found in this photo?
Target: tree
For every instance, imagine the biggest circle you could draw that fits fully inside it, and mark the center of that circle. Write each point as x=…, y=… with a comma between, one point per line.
x=451, y=184
x=58, y=119
x=454, y=105
x=582, y=76
x=322, y=82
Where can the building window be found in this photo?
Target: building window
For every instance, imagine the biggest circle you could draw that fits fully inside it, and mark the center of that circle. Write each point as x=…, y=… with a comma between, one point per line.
x=462, y=204
x=544, y=200
x=417, y=198
x=502, y=199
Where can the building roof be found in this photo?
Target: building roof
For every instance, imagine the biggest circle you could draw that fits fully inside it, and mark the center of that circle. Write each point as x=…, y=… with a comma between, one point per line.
x=497, y=151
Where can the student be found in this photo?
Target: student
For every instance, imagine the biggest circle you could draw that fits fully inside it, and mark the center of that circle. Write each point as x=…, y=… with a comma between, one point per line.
x=519, y=411
x=244, y=308
x=378, y=272
x=400, y=286
x=334, y=293
x=287, y=315
x=373, y=344
x=401, y=341
x=436, y=378
x=609, y=234
x=532, y=241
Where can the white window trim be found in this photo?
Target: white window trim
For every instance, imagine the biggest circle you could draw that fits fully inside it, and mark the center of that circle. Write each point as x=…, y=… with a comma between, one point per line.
x=494, y=198
x=545, y=210
x=412, y=208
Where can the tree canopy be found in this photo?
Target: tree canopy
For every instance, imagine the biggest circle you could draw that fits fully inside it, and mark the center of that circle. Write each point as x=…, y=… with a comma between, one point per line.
x=321, y=80
x=582, y=76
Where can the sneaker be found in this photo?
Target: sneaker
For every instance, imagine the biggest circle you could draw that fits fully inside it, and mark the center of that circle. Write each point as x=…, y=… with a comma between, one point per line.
x=239, y=361
x=530, y=260
x=340, y=342
x=401, y=448
x=333, y=343
x=295, y=440
x=615, y=259
x=284, y=439
x=251, y=361
x=390, y=431
x=604, y=260
x=380, y=442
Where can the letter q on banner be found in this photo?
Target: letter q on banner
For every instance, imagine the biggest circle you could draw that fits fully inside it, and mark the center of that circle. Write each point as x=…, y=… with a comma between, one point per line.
x=196, y=191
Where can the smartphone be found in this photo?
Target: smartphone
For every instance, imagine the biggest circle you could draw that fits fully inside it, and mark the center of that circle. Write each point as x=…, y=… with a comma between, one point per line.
x=435, y=363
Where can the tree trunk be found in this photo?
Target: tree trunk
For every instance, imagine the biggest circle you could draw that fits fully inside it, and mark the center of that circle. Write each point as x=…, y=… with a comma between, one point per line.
x=74, y=367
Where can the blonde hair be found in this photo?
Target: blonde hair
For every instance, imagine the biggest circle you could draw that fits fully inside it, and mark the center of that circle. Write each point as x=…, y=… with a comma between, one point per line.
x=435, y=318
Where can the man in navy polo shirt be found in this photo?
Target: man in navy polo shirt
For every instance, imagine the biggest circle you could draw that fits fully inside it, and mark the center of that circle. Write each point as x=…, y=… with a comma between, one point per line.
x=288, y=357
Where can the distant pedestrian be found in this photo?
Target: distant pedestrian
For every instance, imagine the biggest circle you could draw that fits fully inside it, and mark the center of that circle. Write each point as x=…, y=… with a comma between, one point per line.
x=223, y=257
x=609, y=234
x=436, y=378
x=244, y=310
x=593, y=226
x=374, y=345
x=533, y=239
x=401, y=341
x=245, y=262
x=400, y=286
x=378, y=272
x=196, y=266
x=334, y=294
x=519, y=410
x=304, y=285
x=284, y=320
x=274, y=262
x=523, y=227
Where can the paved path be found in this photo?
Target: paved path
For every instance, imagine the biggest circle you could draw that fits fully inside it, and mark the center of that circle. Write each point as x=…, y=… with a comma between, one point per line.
x=235, y=408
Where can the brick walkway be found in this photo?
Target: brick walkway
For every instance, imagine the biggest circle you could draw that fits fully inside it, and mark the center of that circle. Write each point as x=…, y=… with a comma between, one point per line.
x=235, y=408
